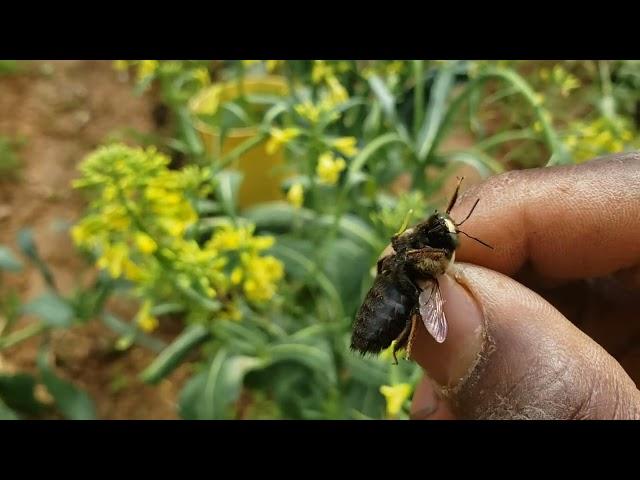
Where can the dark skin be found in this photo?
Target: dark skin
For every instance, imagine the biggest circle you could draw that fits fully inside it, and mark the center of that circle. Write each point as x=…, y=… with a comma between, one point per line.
x=547, y=324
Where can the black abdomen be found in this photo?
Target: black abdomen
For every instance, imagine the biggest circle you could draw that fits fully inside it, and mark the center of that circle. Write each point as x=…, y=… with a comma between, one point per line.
x=382, y=316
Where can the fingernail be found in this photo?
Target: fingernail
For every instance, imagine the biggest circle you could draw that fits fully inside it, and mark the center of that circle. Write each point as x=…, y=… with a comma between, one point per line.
x=424, y=401
x=427, y=404
x=449, y=362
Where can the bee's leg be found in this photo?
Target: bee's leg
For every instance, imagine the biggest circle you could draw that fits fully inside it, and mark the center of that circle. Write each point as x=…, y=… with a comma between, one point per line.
x=402, y=339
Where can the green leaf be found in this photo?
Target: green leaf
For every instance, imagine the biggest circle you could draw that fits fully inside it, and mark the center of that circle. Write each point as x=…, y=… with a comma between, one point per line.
x=206, y=207
x=356, y=165
x=26, y=243
x=210, y=394
x=482, y=162
x=237, y=111
x=73, y=403
x=273, y=112
x=6, y=413
x=229, y=331
x=385, y=97
x=349, y=265
x=279, y=217
x=312, y=356
x=8, y=260
x=171, y=356
x=127, y=331
x=189, y=133
x=29, y=248
x=227, y=192
x=436, y=110
x=275, y=216
x=17, y=392
x=295, y=261
x=53, y=310
x=388, y=104
x=369, y=371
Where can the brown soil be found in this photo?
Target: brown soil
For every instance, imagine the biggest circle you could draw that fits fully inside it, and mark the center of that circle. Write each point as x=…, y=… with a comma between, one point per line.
x=63, y=110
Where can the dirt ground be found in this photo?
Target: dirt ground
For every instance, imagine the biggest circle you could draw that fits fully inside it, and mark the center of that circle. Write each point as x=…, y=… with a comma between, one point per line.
x=63, y=110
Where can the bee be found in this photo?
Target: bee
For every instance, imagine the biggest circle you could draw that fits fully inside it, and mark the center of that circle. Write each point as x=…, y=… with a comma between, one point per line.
x=406, y=285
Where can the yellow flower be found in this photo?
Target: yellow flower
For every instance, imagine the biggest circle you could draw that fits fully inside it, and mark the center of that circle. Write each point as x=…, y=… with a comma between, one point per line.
x=346, y=146
x=80, y=234
x=116, y=218
x=227, y=238
x=132, y=272
x=395, y=67
x=145, y=243
x=202, y=75
x=320, y=71
x=207, y=101
x=308, y=111
x=571, y=141
x=337, y=93
x=329, y=168
x=145, y=320
x=568, y=84
x=261, y=276
x=147, y=68
x=113, y=259
x=395, y=396
x=261, y=242
x=295, y=195
x=236, y=276
x=280, y=137
x=121, y=65
x=273, y=64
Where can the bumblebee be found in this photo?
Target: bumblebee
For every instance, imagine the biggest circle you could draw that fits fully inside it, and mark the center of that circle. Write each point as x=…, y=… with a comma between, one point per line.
x=406, y=285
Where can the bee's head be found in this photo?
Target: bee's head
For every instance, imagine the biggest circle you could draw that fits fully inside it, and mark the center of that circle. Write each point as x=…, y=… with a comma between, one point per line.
x=438, y=231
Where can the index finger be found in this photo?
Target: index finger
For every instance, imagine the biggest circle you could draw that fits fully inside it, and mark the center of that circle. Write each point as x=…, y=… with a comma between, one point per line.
x=565, y=222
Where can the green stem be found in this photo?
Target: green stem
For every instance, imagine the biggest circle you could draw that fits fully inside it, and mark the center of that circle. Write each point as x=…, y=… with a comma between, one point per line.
x=23, y=334
x=607, y=102
x=506, y=136
x=559, y=153
x=418, y=97
x=202, y=300
x=240, y=150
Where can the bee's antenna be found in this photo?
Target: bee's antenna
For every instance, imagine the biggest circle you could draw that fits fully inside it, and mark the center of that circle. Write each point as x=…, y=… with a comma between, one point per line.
x=469, y=214
x=452, y=202
x=476, y=239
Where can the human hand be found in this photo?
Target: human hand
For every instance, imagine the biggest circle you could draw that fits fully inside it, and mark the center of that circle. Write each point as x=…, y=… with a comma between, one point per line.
x=571, y=234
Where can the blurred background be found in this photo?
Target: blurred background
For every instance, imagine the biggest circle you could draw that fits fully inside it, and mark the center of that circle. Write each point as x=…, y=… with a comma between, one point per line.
x=192, y=239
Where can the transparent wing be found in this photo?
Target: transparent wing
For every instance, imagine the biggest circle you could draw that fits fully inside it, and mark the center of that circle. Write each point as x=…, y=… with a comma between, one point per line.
x=431, y=311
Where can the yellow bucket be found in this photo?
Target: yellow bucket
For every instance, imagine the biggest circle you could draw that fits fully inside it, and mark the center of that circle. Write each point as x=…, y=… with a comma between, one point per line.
x=263, y=173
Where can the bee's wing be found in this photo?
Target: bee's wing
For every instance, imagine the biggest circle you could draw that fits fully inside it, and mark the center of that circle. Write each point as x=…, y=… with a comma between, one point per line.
x=431, y=311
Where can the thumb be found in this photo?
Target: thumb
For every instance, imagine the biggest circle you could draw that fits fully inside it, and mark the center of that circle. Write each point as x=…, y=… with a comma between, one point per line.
x=511, y=355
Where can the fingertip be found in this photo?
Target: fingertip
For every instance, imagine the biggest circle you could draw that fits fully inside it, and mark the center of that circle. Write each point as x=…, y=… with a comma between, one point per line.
x=450, y=361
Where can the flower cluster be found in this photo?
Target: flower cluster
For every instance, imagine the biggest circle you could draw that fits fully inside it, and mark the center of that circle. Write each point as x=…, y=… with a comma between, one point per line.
x=138, y=229
x=558, y=76
x=587, y=140
x=255, y=274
